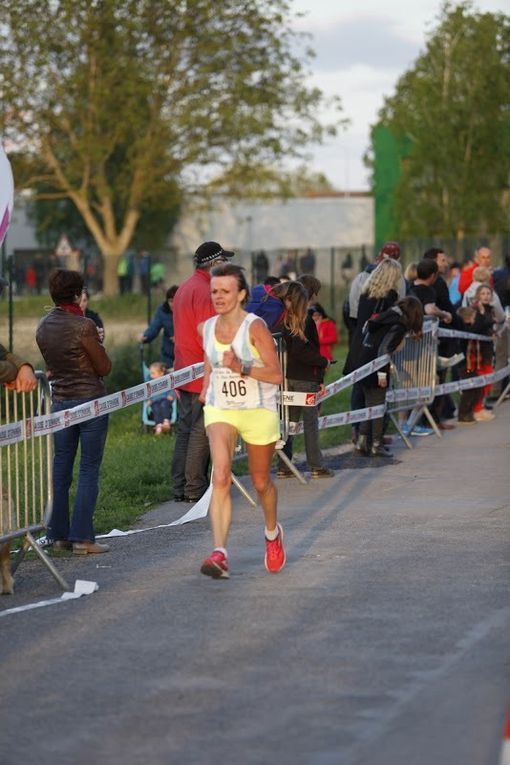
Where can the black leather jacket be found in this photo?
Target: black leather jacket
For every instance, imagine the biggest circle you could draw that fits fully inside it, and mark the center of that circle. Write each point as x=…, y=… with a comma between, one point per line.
x=74, y=356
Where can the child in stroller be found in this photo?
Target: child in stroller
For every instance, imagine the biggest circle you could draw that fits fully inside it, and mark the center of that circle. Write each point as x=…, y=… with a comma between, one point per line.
x=162, y=405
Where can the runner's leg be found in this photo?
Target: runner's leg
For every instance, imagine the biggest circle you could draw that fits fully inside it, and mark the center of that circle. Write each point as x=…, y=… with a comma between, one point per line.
x=222, y=439
x=259, y=462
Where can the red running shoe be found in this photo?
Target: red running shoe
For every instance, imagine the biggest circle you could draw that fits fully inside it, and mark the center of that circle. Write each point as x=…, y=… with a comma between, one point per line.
x=275, y=557
x=215, y=565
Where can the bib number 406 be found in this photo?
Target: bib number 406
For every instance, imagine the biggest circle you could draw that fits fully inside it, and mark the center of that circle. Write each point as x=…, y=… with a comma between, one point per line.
x=234, y=388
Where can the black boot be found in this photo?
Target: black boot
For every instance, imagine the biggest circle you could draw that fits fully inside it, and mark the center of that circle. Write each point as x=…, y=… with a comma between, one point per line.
x=379, y=450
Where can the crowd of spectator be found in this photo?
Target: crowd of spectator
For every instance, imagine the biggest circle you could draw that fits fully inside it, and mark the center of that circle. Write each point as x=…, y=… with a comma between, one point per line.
x=383, y=306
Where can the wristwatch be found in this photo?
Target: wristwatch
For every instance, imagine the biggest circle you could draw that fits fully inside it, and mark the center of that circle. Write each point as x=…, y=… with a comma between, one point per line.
x=245, y=368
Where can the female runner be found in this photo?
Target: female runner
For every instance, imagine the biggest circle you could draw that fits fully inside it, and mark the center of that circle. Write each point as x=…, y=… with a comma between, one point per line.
x=241, y=376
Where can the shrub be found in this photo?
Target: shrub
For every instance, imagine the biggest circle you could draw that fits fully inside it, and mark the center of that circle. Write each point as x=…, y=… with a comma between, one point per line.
x=126, y=368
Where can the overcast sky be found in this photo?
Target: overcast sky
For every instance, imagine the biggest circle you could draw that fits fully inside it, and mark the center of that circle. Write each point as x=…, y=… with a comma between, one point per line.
x=362, y=49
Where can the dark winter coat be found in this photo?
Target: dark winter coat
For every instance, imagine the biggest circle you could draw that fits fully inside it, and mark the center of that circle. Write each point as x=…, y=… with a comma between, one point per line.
x=304, y=361
x=366, y=309
x=383, y=334
x=163, y=320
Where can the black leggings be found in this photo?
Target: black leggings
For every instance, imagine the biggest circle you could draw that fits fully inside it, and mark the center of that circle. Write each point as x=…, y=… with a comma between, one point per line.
x=374, y=396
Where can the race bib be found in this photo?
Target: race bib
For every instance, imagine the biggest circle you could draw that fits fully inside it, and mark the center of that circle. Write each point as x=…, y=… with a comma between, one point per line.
x=231, y=391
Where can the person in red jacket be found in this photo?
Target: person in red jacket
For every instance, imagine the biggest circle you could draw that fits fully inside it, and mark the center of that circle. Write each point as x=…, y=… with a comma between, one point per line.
x=326, y=329
x=483, y=257
x=192, y=305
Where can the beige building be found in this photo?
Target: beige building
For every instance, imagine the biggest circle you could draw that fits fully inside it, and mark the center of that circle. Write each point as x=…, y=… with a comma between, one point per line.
x=279, y=227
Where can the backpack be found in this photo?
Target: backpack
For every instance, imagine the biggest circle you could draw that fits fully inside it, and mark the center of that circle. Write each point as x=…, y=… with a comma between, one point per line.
x=265, y=305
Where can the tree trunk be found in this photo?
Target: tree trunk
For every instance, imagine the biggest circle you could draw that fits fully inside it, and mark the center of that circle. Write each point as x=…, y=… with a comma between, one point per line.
x=459, y=244
x=110, y=279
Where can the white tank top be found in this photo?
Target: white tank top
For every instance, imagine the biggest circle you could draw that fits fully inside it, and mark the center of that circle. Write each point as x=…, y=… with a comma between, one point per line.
x=227, y=389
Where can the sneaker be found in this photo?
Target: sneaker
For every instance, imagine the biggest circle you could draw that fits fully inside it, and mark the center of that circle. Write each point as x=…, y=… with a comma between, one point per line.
x=275, y=556
x=404, y=427
x=421, y=430
x=322, y=472
x=215, y=565
x=484, y=416
x=284, y=473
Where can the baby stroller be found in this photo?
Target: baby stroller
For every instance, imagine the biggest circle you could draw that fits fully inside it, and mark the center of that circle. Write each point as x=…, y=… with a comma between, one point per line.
x=147, y=416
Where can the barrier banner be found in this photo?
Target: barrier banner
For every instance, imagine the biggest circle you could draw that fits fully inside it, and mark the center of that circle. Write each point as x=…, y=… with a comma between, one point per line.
x=342, y=418
x=296, y=398
x=463, y=335
x=406, y=394
x=473, y=382
x=42, y=425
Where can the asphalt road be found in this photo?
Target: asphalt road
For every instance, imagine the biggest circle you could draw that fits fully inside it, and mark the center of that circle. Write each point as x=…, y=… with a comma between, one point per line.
x=385, y=640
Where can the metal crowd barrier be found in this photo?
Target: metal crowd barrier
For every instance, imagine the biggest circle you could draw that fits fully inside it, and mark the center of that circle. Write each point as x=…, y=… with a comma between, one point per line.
x=26, y=476
x=284, y=411
x=413, y=379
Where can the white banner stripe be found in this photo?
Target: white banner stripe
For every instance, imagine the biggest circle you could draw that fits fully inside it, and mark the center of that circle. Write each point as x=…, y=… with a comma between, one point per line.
x=81, y=587
x=463, y=335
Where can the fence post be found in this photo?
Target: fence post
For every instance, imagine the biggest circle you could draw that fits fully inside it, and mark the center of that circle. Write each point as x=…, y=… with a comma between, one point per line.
x=332, y=298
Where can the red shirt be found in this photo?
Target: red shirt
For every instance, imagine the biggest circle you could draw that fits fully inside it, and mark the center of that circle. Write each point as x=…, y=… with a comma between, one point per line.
x=466, y=277
x=192, y=305
x=326, y=329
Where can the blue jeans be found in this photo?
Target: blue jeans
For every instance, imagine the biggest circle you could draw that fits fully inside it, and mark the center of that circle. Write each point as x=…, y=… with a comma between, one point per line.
x=161, y=410
x=191, y=452
x=91, y=436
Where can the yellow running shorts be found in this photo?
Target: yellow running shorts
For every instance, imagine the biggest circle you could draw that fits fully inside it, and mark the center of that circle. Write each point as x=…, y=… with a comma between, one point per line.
x=255, y=426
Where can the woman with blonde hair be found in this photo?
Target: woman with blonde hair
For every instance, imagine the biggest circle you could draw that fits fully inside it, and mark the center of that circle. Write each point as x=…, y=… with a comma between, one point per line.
x=410, y=275
x=382, y=281
x=379, y=293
